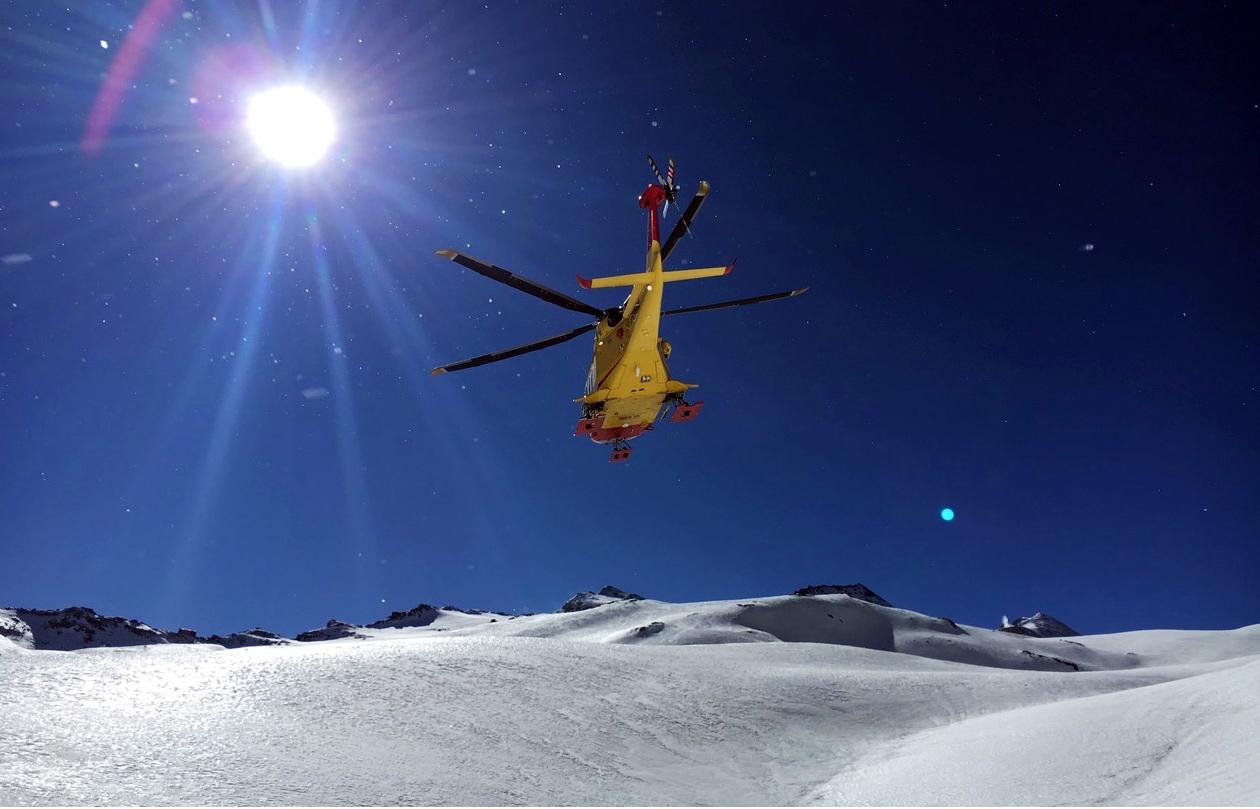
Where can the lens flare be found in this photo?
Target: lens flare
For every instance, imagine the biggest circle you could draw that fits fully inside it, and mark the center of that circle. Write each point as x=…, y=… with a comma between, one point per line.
x=291, y=125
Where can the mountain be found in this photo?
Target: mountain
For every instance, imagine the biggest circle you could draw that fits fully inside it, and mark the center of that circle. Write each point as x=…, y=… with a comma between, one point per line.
x=422, y=616
x=824, y=699
x=854, y=590
x=1038, y=625
x=15, y=629
x=333, y=630
x=606, y=595
x=84, y=628
x=74, y=628
x=251, y=637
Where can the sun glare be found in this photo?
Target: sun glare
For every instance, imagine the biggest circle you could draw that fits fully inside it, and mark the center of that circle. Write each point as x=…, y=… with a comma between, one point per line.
x=291, y=125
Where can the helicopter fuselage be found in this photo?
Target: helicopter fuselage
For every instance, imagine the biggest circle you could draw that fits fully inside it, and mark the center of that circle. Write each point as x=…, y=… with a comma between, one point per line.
x=628, y=382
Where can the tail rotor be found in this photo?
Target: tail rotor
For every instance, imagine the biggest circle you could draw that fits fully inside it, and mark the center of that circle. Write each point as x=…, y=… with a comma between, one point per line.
x=666, y=181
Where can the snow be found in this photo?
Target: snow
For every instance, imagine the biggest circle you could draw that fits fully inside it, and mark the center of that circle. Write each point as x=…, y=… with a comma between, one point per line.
x=251, y=637
x=1039, y=625
x=1169, y=743
x=783, y=700
x=14, y=630
x=75, y=628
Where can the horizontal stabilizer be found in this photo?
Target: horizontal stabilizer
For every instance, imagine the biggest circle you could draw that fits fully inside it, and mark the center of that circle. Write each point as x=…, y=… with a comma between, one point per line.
x=635, y=279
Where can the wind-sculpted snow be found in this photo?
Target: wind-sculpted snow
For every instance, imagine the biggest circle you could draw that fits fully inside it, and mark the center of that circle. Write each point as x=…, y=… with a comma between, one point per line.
x=1191, y=741
x=833, y=619
x=784, y=700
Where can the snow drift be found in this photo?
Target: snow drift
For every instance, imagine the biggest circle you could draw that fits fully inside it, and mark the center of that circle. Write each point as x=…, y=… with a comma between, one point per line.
x=797, y=699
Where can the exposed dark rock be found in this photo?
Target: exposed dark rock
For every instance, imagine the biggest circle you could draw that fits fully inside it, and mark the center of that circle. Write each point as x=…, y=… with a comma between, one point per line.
x=606, y=595
x=1052, y=658
x=251, y=637
x=1038, y=625
x=183, y=635
x=858, y=591
x=449, y=608
x=647, y=631
x=15, y=629
x=333, y=630
x=419, y=615
x=76, y=628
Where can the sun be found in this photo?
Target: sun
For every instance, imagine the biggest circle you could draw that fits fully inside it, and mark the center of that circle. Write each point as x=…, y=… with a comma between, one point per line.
x=291, y=125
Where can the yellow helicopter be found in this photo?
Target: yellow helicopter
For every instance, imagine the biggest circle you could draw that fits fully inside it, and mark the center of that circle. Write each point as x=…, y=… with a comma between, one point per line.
x=628, y=383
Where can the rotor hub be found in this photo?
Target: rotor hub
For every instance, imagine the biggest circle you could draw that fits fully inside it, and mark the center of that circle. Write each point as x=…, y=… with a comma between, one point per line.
x=652, y=197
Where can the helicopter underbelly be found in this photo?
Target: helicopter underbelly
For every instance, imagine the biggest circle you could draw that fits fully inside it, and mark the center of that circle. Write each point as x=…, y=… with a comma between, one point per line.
x=622, y=419
x=632, y=410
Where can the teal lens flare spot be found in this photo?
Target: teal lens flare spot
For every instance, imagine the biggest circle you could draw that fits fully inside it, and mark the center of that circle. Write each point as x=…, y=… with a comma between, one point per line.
x=947, y=514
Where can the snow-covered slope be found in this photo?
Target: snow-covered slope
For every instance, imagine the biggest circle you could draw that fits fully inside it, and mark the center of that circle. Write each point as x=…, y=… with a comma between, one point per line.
x=1192, y=741
x=791, y=699
x=423, y=617
x=833, y=619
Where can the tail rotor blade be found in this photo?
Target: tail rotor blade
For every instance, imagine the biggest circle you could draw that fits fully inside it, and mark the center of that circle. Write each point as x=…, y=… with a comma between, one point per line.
x=655, y=170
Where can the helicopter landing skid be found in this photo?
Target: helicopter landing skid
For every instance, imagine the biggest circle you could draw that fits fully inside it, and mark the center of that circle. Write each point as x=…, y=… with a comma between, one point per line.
x=621, y=452
x=685, y=411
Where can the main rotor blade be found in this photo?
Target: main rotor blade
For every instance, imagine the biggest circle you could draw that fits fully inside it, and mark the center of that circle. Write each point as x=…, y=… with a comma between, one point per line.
x=495, y=356
x=523, y=284
x=774, y=296
x=684, y=222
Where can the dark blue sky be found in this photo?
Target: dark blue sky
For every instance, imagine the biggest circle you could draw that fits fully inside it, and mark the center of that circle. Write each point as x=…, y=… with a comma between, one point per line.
x=934, y=174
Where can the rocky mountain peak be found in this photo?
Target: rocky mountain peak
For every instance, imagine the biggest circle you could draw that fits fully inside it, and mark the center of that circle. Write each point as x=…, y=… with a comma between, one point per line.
x=1038, y=625
x=607, y=594
x=858, y=591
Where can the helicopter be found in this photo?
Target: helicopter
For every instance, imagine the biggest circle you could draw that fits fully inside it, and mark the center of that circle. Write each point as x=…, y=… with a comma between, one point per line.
x=628, y=384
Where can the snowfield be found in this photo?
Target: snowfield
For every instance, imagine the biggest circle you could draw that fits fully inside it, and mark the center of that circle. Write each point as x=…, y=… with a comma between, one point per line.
x=787, y=700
